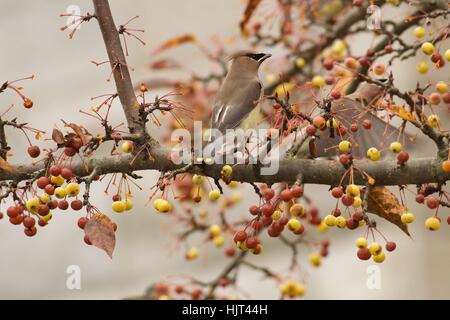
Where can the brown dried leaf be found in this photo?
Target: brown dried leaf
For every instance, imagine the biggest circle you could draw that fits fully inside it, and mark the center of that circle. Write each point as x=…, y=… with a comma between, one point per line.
x=165, y=64
x=79, y=132
x=6, y=166
x=385, y=204
x=249, y=10
x=174, y=42
x=402, y=113
x=100, y=232
x=58, y=136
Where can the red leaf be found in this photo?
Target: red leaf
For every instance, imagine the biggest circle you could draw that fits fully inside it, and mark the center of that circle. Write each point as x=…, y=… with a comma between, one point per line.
x=99, y=230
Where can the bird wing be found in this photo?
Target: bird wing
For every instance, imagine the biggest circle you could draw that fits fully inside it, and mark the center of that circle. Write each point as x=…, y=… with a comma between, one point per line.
x=230, y=111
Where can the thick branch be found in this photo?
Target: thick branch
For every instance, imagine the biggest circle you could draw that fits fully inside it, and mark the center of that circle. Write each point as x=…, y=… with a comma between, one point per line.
x=119, y=66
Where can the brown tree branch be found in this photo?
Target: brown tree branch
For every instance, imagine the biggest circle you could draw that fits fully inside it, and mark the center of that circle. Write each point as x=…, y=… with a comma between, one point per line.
x=120, y=69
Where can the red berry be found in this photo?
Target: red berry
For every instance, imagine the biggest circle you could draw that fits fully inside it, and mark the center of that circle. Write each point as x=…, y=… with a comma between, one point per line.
x=448, y=219
x=354, y=127
x=42, y=223
x=336, y=212
x=352, y=224
x=197, y=198
x=344, y=159
x=446, y=98
x=1, y=215
x=252, y=242
x=266, y=220
x=420, y=198
x=268, y=194
x=314, y=211
x=297, y=191
x=116, y=197
x=12, y=212
x=367, y=124
x=364, y=253
x=370, y=52
x=254, y=210
x=324, y=252
x=30, y=232
x=29, y=222
x=66, y=173
x=63, y=204
x=34, y=151
x=390, y=246
x=76, y=205
x=315, y=220
x=82, y=222
x=328, y=64
x=300, y=230
x=70, y=152
x=337, y=192
x=432, y=202
x=53, y=204
x=273, y=232
x=402, y=157
x=329, y=80
x=357, y=215
x=229, y=252
x=257, y=225
x=364, y=61
x=388, y=48
x=49, y=189
x=87, y=241
x=310, y=130
x=43, y=210
x=114, y=226
x=42, y=182
x=283, y=220
x=75, y=143
x=347, y=200
x=358, y=3
x=16, y=220
x=286, y=195
x=55, y=170
x=240, y=236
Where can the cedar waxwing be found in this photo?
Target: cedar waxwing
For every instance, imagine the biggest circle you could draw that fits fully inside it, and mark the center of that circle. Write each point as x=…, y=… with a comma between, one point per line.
x=239, y=92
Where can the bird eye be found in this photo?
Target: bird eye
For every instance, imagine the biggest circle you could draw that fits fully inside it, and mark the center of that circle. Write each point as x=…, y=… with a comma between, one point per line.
x=255, y=56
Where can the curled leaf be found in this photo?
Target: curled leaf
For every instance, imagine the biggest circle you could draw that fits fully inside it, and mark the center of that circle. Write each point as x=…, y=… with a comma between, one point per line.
x=401, y=112
x=174, y=42
x=385, y=204
x=100, y=232
x=58, y=136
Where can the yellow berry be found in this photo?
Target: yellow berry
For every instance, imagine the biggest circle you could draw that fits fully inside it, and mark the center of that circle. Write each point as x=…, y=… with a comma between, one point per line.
x=218, y=241
x=361, y=242
x=276, y=215
x=118, y=206
x=162, y=205
x=60, y=192
x=215, y=230
x=297, y=210
x=393, y=2
x=375, y=248
x=292, y=289
x=379, y=258
x=357, y=202
x=283, y=88
x=395, y=147
x=128, y=204
x=57, y=180
x=315, y=259
x=373, y=154
x=345, y=146
x=45, y=198
x=164, y=297
x=335, y=123
x=236, y=197
x=241, y=245
x=322, y=227
x=419, y=32
x=233, y=184
x=271, y=78
x=427, y=48
x=447, y=54
x=47, y=217
x=227, y=170
x=73, y=189
x=341, y=222
x=127, y=146
x=300, y=62
x=294, y=224
x=422, y=67
x=433, y=120
x=214, y=195
x=330, y=220
x=407, y=217
x=32, y=204
x=197, y=179
x=192, y=253
x=318, y=81
x=432, y=223
x=352, y=190
x=442, y=87
x=446, y=165
x=339, y=47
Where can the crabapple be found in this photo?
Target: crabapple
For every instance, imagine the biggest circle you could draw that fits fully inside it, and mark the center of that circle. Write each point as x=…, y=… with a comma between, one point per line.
x=402, y=157
x=345, y=146
x=395, y=147
x=379, y=258
x=318, y=81
x=297, y=210
x=42, y=182
x=76, y=204
x=118, y=206
x=73, y=189
x=341, y=222
x=218, y=241
x=337, y=192
x=32, y=204
x=60, y=192
x=162, y=205
x=433, y=120
x=214, y=195
x=127, y=147
x=432, y=202
x=330, y=220
x=315, y=259
x=422, y=67
x=43, y=210
x=427, y=48
x=300, y=63
x=192, y=253
x=227, y=171
x=434, y=98
x=319, y=122
x=363, y=253
x=352, y=190
x=34, y=151
x=254, y=210
x=361, y=242
x=375, y=248
x=419, y=32
x=57, y=180
x=215, y=230
x=442, y=87
x=63, y=204
x=347, y=200
x=294, y=224
x=12, y=212
x=29, y=222
x=286, y=195
x=390, y=246
x=373, y=154
x=420, y=198
x=379, y=69
x=407, y=217
x=268, y=193
x=446, y=166
x=297, y=191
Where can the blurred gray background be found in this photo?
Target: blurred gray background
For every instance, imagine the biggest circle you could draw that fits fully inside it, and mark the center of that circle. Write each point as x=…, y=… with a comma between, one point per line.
x=31, y=43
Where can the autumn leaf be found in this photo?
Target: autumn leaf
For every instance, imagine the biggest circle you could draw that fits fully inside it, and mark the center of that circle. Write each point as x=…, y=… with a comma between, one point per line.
x=385, y=204
x=6, y=166
x=58, y=136
x=100, y=232
x=249, y=10
x=401, y=112
x=174, y=42
x=79, y=132
x=165, y=64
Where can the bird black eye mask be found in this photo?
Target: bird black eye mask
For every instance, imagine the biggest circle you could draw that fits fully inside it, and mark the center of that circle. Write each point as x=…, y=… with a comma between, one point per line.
x=256, y=56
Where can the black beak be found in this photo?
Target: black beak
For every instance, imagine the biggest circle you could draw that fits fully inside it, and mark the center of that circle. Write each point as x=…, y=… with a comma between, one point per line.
x=264, y=57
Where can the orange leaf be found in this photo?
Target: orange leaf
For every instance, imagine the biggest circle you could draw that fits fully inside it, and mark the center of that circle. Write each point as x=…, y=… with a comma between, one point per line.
x=385, y=204
x=174, y=42
x=79, y=132
x=401, y=112
x=249, y=10
x=6, y=166
x=100, y=232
